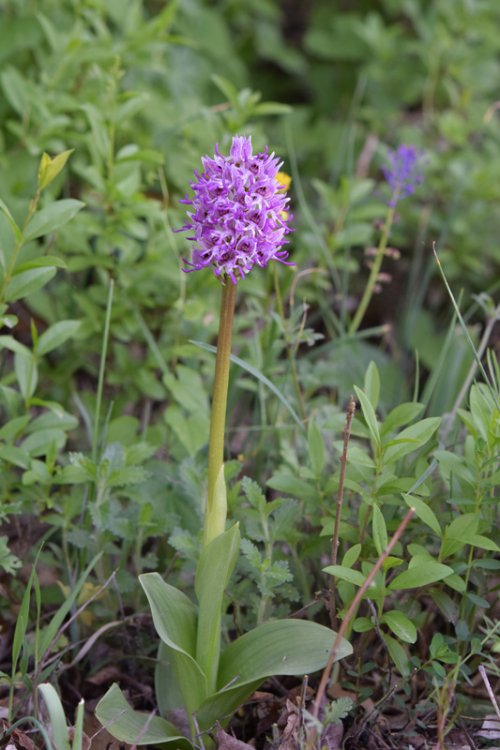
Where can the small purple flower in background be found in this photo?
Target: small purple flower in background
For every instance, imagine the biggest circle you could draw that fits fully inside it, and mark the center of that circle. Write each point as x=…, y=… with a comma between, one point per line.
x=404, y=172
x=239, y=212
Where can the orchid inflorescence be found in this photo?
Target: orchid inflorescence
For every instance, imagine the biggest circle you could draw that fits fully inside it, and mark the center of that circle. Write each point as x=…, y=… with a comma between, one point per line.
x=404, y=172
x=239, y=213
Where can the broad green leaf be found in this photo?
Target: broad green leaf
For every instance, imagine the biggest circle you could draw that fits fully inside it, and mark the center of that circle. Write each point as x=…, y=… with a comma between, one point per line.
x=136, y=727
x=401, y=415
x=351, y=556
x=283, y=647
x=424, y=512
x=401, y=625
x=52, y=217
x=56, y=335
x=483, y=542
x=463, y=531
x=167, y=688
x=14, y=455
x=25, y=283
x=216, y=563
x=58, y=727
x=369, y=414
x=421, y=574
x=398, y=655
x=362, y=625
x=7, y=342
x=345, y=574
x=411, y=439
x=44, y=261
x=26, y=373
x=175, y=621
x=372, y=384
x=379, y=530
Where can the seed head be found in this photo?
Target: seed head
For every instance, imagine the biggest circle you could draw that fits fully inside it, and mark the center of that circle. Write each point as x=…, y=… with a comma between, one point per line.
x=239, y=212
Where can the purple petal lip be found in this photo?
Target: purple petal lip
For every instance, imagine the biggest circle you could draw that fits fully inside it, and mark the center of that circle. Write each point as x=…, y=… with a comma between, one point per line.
x=239, y=213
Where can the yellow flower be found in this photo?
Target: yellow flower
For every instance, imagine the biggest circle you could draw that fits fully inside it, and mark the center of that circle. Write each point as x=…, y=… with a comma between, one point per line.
x=284, y=181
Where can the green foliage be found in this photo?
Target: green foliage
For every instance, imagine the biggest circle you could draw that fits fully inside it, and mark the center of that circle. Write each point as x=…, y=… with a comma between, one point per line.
x=192, y=674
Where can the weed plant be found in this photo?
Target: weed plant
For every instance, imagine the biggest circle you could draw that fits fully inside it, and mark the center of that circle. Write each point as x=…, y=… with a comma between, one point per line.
x=377, y=517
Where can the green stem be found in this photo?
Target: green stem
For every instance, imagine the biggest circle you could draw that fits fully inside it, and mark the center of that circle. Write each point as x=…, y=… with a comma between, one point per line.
x=216, y=510
x=375, y=270
x=102, y=370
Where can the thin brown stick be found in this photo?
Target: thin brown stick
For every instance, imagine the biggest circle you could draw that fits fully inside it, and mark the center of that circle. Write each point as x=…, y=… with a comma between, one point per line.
x=352, y=609
x=351, y=408
x=489, y=689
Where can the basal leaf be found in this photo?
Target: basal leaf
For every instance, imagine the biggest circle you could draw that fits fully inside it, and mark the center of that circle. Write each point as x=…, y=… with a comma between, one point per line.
x=215, y=566
x=136, y=727
x=284, y=647
x=175, y=621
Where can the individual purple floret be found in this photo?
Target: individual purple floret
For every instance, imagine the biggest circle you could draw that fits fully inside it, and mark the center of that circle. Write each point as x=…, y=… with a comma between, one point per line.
x=239, y=212
x=404, y=173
